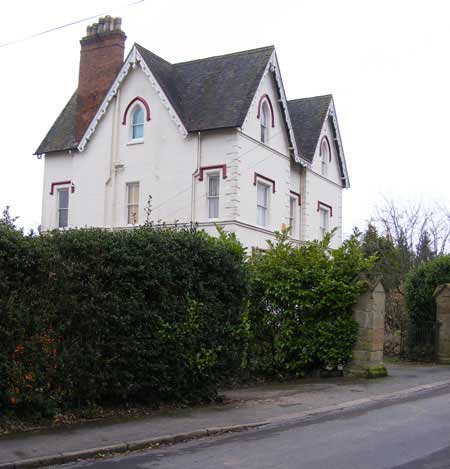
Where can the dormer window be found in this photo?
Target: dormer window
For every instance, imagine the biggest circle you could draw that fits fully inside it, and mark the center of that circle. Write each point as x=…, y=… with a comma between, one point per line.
x=137, y=123
x=325, y=156
x=264, y=121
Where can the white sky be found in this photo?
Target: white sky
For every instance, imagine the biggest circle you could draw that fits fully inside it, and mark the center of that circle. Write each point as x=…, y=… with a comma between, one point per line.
x=385, y=61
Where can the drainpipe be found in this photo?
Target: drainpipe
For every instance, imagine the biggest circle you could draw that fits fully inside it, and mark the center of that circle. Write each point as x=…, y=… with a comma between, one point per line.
x=114, y=152
x=194, y=175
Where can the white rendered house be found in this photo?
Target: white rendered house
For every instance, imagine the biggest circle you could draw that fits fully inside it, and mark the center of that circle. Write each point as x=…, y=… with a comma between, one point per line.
x=212, y=141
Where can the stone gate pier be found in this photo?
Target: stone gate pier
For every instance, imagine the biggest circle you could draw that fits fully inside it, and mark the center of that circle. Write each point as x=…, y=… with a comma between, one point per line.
x=442, y=298
x=369, y=313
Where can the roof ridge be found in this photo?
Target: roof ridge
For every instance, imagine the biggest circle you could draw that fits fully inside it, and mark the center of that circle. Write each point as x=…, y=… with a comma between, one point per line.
x=231, y=54
x=311, y=97
x=156, y=55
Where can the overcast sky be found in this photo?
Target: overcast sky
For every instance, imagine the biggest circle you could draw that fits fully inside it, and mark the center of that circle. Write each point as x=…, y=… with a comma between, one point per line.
x=385, y=62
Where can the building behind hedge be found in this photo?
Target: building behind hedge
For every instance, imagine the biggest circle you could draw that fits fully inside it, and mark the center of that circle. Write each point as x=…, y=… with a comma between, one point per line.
x=212, y=141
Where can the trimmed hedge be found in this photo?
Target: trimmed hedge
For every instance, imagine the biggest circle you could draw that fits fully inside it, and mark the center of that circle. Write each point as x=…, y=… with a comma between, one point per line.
x=420, y=285
x=90, y=316
x=300, y=310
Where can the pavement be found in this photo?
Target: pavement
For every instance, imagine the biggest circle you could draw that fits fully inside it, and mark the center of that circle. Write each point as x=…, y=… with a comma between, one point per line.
x=409, y=433
x=252, y=406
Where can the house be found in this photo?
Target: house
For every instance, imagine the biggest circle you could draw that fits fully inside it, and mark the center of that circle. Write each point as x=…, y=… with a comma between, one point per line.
x=212, y=141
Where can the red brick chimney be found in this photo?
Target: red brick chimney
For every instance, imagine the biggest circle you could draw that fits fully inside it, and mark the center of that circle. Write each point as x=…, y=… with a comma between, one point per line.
x=101, y=57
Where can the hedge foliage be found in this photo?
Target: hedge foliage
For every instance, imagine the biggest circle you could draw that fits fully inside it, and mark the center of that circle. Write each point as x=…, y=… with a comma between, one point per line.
x=300, y=306
x=90, y=316
x=420, y=285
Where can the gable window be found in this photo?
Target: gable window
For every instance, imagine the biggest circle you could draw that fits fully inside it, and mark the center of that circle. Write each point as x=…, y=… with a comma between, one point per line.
x=325, y=156
x=262, y=203
x=63, y=207
x=293, y=209
x=324, y=215
x=133, y=203
x=213, y=195
x=264, y=121
x=137, y=124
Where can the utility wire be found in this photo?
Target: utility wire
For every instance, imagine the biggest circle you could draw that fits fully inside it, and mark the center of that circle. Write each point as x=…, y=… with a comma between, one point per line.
x=32, y=36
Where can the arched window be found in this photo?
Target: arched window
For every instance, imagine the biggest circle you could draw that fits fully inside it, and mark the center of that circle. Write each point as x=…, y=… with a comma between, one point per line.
x=325, y=156
x=264, y=121
x=137, y=123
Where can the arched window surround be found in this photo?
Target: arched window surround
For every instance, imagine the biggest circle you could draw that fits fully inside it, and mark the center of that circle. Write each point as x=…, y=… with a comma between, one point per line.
x=265, y=98
x=144, y=104
x=327, y=142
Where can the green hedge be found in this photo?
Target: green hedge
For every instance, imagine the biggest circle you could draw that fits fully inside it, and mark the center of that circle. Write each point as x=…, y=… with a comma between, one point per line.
x=91, y=316
x=300, y=308
x=420, y=285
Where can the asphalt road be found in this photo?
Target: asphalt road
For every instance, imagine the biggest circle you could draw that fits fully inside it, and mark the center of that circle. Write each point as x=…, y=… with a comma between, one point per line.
x=413, y=433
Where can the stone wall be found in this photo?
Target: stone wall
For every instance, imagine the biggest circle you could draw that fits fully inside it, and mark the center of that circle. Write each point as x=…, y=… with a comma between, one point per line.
x=442, y=298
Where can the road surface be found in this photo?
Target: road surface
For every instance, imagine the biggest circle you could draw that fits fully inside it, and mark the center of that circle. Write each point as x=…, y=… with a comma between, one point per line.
x=412, y=433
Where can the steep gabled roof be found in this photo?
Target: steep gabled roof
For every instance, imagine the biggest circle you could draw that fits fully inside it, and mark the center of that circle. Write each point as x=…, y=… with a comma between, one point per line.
x=61, y=135
x=209, y=93
x=308, y=116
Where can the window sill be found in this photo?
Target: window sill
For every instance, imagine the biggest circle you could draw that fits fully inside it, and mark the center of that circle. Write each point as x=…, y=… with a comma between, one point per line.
x=136, y=141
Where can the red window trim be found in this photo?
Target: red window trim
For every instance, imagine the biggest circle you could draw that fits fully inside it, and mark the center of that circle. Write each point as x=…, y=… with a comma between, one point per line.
x=261, y=100
x=299, y=197
x=223, y=167
x=329, y=147
x=260, y=176
x=143, y=102
x=323, y=204
x=62, y=183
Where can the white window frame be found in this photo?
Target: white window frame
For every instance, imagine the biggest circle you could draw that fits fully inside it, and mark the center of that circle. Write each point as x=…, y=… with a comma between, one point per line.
x=59, y=209
x=128, y=205
x=293, y=215
x=324, y=216
x=264, y=122
x=266, y=208
x=133, y=125
x=209, y=197
x=325, y=157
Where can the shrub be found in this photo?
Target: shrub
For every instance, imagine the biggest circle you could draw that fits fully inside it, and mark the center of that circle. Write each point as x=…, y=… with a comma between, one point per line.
x=420, y=286
x=92, y=316
x=300, y=311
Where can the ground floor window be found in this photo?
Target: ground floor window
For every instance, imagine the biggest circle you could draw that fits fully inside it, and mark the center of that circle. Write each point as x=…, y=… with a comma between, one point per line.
x=324, y=221
x=63, y=207
x=262, y=203
x=213, y=195
x=133, y=203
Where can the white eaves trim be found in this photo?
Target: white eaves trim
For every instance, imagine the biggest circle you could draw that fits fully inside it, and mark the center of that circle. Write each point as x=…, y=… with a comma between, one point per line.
x=272, y=66
x=134, y=58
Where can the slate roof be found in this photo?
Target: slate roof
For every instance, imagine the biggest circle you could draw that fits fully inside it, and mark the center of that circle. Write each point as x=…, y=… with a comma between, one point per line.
x=307, y=117
x=207, y=94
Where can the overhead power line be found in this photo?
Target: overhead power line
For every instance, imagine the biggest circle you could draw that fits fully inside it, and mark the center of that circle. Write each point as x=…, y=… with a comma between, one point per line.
x=51, y=30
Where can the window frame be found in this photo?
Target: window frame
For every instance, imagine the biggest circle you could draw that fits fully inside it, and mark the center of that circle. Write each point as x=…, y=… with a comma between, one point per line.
x=209, y=197
x=267, y=188
x=133, y=125
x=59, y=190
x=264, y=122
x=324, y=215
x=325, y=156
x=128, y=204
x=293, y=214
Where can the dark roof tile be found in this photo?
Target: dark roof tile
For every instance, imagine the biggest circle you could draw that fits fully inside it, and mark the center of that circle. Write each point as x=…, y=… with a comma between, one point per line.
x=307, y=117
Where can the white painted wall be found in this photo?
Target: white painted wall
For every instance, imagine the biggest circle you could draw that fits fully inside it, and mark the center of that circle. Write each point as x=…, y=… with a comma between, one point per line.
x=166, y=166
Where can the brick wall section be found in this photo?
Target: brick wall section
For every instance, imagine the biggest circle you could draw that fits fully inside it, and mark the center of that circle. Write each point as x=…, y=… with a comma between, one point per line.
x=101, y=59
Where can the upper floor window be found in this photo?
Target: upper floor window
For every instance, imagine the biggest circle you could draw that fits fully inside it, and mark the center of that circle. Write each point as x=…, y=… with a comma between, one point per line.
x=63, y=207
x=133, y=203
x=293, y=210
x=137, y=124
x=325, y=156
x=324, y=221
x=213, y=195
x=262, y=203
x=264, y=121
